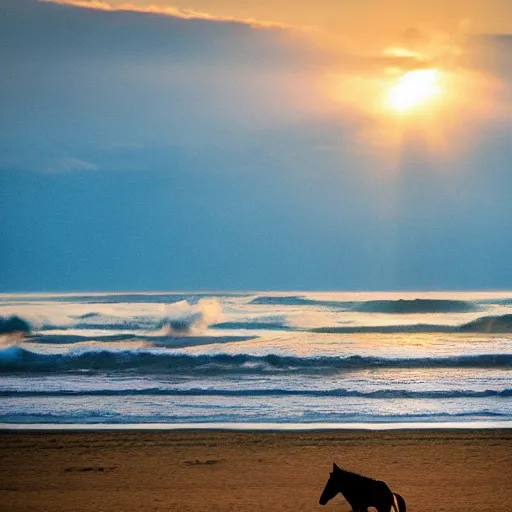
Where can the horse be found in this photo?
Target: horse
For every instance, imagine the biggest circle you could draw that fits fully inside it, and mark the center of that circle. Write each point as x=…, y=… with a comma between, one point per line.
x=361, y=492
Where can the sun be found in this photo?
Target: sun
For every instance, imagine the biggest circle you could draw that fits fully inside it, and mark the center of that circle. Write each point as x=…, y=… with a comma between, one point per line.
x=414, y=89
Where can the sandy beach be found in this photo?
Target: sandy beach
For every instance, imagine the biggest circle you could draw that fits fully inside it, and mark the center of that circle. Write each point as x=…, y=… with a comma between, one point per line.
x=249, y=471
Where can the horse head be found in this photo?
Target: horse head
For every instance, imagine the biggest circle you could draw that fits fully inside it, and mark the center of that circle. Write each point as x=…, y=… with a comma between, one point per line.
x=332, y=486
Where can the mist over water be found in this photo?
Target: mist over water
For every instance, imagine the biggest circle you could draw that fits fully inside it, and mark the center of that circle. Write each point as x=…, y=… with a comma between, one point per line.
x=260, y=358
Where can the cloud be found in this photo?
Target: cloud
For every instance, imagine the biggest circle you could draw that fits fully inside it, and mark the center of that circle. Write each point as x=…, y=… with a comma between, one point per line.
x=491, y=53
x=186, y=14
x=98, y=86
x=49, y=31
x=459, y=51
x=88, y=88
x=68, y=164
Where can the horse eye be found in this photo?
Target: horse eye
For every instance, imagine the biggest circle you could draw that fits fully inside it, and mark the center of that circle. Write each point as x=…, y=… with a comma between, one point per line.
x=332, y=474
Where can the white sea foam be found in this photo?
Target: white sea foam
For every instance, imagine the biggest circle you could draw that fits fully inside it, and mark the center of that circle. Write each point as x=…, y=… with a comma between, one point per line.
x=265, y=426
x=275, y=358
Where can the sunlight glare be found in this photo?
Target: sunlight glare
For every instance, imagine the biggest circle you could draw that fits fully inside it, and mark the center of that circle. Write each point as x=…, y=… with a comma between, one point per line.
x=414, y=89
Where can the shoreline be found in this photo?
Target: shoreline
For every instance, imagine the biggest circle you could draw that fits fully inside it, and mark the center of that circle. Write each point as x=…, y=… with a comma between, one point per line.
x=256, y=427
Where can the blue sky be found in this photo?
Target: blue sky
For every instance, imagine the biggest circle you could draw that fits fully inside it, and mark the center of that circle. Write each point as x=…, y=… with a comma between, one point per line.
x=150, y=152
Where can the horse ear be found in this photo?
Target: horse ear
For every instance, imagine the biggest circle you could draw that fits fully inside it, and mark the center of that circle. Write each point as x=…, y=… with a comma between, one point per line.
x=334, y=467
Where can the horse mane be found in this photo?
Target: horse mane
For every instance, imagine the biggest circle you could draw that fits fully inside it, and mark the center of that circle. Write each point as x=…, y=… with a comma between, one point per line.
x=354, y=476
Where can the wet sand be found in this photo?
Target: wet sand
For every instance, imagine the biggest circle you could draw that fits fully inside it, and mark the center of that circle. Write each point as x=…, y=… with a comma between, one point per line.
x=438, y=470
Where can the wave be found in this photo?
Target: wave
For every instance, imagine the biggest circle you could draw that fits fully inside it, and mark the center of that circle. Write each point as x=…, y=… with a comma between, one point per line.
x=385, y=329
x=178, y=318
x=341, y=393
x=497, y=302
x=176, y=325
x=71, y=339
x=489, y=324
x=296, y=300
x=162, y=340
x=270, y=326
x=85, y=316
x=484, y=324
x=106, y=325
x=18, y=359
x=184, y=319
x=13, y=324
x=403, y=306
x=400, y=306
x=220, y=417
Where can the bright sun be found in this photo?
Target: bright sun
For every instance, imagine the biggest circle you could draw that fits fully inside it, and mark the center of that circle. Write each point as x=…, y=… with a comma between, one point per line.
x=414, y=89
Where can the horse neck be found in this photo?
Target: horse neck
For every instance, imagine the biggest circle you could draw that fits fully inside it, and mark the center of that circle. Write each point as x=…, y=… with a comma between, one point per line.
x=348, y=480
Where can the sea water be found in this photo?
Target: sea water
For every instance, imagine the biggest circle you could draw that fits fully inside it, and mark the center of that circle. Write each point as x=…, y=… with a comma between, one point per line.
x=264, y=360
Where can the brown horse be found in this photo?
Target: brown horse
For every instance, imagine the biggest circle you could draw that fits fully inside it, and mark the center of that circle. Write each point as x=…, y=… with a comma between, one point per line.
x=361, y=492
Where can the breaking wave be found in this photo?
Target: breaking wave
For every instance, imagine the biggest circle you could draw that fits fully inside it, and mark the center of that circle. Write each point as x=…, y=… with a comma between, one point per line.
x=18, y=359
x=342, y=393
x=13, y=324
x=175, y=318
x=212, y=416
x=489, y=324
x=184, y=319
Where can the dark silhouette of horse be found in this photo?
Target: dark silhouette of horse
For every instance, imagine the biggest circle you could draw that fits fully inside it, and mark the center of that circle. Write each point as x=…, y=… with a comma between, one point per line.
x=361, y=492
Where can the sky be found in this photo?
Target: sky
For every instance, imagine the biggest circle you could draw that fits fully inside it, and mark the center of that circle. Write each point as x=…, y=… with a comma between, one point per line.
x=222, y=145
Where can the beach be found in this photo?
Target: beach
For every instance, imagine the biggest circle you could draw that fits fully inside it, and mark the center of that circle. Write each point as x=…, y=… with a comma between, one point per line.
x=133, y=402
x=434, y=470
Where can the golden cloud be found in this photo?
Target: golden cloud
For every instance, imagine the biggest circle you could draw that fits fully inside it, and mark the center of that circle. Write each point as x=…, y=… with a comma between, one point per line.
x=176, y=12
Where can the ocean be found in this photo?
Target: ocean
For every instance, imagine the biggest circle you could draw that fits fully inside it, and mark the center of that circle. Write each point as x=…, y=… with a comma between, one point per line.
x=259, y=359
